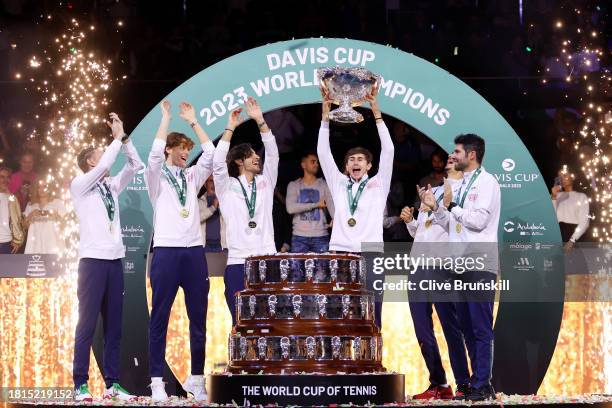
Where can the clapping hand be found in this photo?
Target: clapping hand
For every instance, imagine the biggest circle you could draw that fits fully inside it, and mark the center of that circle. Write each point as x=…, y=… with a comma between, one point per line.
x=407, y=214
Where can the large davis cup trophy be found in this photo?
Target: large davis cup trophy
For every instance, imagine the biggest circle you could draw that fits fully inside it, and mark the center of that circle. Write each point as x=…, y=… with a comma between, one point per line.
x=305, y=327
x=347, y=87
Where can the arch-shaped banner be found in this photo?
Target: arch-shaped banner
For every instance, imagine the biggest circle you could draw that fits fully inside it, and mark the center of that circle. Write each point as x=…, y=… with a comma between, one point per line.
x=412, y=90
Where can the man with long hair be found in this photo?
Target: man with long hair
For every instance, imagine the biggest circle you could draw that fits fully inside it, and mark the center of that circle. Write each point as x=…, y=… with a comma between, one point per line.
x=246, y=194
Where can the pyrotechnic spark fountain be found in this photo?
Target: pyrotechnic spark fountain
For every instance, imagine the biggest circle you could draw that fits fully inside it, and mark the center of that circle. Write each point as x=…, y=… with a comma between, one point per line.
x=584, y=55
x=73, y=84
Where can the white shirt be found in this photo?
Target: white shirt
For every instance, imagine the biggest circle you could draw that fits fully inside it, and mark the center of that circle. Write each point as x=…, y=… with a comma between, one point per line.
x=44, y=236
x=369, y=212
x=437, y=231
x=205, y=213
x=5, y=219
x=479, y=218
x=572, y=207
x=170, y=228
x=99, y=237
x=243, y=241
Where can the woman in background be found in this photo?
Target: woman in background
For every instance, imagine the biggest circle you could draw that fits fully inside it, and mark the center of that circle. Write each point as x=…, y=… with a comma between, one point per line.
x=43, y=215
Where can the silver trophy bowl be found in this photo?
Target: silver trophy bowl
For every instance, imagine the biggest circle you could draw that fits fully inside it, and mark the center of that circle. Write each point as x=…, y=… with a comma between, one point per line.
x=347, y=87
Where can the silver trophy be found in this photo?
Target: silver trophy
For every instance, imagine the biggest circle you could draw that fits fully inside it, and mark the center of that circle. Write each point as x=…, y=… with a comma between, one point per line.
x=347, y=87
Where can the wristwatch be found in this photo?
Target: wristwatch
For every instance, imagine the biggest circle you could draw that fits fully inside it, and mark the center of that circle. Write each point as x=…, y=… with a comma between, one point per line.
x=124, y=137
x=451, y=205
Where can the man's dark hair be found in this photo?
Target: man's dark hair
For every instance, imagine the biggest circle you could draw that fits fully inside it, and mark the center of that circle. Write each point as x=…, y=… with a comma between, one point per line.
x=307, y=153
x=439, y=153
x=239, y=152
x=83, y=156
x=472, y=142
x=176, y=139
x=357, y=150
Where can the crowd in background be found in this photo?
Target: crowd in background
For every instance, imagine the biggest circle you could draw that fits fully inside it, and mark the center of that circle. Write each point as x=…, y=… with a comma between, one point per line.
x=500, y=48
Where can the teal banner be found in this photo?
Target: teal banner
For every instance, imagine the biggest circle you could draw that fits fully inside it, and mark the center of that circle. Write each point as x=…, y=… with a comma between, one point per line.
x=413, y=90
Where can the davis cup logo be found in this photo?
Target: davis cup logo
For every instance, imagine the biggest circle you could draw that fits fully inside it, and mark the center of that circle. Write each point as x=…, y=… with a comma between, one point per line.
x=509, y=226
x=508, y=164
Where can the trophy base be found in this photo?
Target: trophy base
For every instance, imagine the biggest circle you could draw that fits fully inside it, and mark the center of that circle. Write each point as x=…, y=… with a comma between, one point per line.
x=306, y=389
x=345, y=116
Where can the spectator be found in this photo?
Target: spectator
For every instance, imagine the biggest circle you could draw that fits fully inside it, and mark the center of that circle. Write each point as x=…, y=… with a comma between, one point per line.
x=407, y=156
x=572, y=209
x=438, y=163
x=307, y=198
x=43, y=216
x=21, y=180
x=11, y=234
x=211, y=220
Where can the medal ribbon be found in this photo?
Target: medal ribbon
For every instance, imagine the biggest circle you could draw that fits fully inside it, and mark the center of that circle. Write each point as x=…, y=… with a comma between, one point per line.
x=107, y=199
x=437, y=201
x=472, y=179
x=180, y=192
x=353, y=201
x=250, y=203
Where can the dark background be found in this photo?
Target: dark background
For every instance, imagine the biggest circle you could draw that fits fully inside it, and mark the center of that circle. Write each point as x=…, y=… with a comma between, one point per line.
x=161, y=44
x=499, y=51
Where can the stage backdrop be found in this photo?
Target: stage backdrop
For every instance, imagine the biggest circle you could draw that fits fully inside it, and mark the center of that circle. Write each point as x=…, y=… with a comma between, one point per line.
x=412, y=90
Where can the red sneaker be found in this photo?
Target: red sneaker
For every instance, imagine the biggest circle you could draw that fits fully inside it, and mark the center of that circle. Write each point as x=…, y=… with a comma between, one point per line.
x=435, y=392
x=462, y=391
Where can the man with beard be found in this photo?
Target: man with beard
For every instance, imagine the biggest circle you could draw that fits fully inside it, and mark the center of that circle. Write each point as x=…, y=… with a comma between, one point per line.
x=473, y=220
x=439, y=160
x=178, y=252
x=246, y=196
x=307, y=197
x=359, y=200
x=430, y=238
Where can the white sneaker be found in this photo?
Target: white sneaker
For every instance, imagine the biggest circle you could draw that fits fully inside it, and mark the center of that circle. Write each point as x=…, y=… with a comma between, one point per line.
x=82, y=394
x=158, y=389
x=118, y=393
x=195, y=386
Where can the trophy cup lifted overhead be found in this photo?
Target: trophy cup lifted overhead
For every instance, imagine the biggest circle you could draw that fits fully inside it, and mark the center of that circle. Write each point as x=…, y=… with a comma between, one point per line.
x=347, y=87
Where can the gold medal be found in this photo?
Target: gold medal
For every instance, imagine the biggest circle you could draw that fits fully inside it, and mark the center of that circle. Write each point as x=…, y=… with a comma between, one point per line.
x=428, y=223
x=184, y=213
x=352, y=222
x=458, y=228
x=252, y=224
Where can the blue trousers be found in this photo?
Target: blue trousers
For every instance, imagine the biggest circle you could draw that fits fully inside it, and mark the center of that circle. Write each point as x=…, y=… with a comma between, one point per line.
x=423, y=327
x=99, y=290
x=171, y=268
x=5, y=248
x=309, y=244
x=476, y=321
x=234, y=282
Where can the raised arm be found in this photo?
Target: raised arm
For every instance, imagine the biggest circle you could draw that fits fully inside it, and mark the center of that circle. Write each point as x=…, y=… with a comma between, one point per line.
x=157, y=156
x=329, y=201
x=385, y=164
x=270, y=169
x=220, y=174
x=326, y=159
x=203, y=167
x=83, y=183
x=133, y=164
